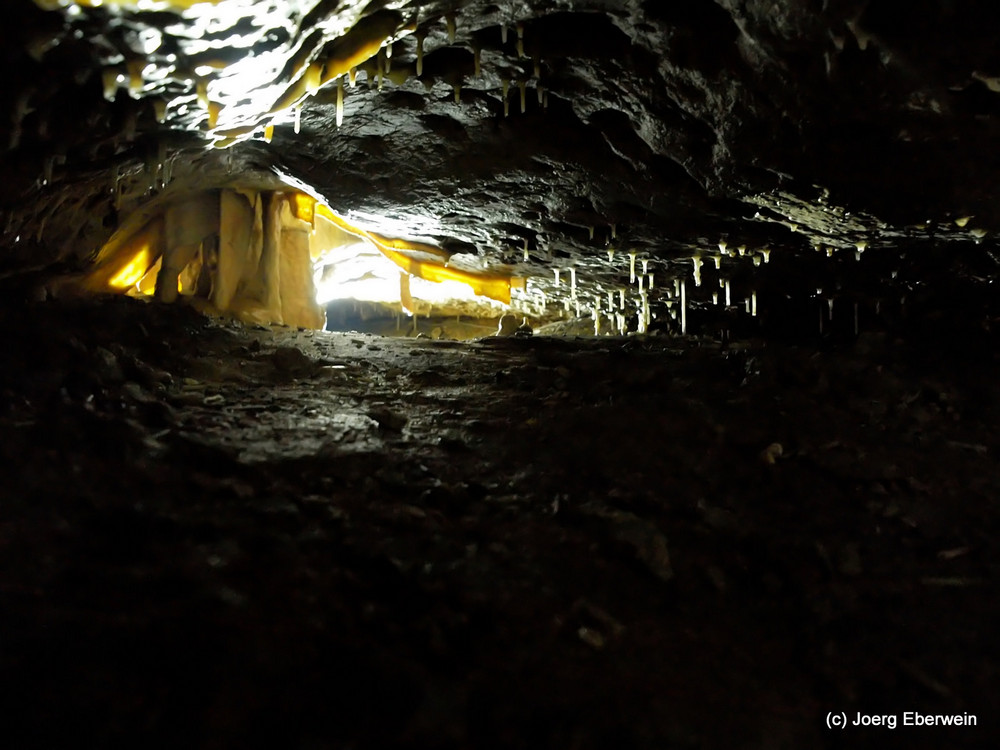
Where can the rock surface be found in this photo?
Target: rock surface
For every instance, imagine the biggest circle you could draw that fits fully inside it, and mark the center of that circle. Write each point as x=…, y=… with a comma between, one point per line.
x=216, y=537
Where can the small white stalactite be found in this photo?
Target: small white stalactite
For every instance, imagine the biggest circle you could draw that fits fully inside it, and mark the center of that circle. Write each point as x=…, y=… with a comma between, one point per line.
x=611, y=301
x=476, y=63
x=591, y=231
x=962, y=221
x=753, y=304
x=641, y=280
x=201, y=90
x=677, y=287
x=746, y=303
x=458, y=93
x=526, y=256
x=135, y=82
x=631, y=267
x=715, y=298
x=697, y=269
x=576, y=308
x=620, y=323
x=449, y=20
x=110, y=78
x=742, y=250
x=756, y=261
x=572, y=282
x=729, y=298
x=556, y=272
x=611, y=255
x=297, y=114
x=722, y=246
x=540, y=94
x=340, y=101
x=766, y=252
x=829, y=304
x=520, y=40
x=161, y=162
x=523, y=86
x=684, y=324
x=614, y=231
x=717, y=259
x=420, y=54
x=621, y=298
x=503, y=33
x=829, y=251
x=160, y=110
x=537, y=60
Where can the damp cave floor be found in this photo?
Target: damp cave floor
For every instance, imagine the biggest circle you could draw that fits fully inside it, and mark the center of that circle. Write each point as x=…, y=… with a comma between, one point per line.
x=218, y=536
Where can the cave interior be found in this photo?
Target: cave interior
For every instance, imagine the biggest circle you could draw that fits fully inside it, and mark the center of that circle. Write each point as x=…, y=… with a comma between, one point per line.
x=467, y=374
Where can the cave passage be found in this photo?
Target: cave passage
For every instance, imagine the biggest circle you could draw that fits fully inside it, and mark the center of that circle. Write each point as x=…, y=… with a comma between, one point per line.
x=491, y=375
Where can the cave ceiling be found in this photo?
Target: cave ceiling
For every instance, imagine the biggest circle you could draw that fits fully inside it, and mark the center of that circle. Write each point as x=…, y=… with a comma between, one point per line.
x=536, y=135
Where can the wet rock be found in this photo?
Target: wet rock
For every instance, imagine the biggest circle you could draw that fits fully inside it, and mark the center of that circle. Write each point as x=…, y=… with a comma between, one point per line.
x=106, y=368
x=388, y=420
x=644, y=538
x=290, y=360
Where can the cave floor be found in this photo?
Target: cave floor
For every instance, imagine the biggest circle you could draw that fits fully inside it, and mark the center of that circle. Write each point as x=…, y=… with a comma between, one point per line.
x=214, y=536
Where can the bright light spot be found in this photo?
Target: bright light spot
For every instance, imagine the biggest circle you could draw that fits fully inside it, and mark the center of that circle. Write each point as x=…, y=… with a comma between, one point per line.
x=133, y=271
x=151, y=39
x=408, y=227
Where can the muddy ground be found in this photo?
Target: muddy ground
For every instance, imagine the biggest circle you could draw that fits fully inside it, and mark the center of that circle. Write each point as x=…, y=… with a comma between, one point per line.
x=214, y=536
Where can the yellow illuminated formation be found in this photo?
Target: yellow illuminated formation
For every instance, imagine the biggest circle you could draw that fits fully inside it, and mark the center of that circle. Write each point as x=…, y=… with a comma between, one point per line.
x=257, y=254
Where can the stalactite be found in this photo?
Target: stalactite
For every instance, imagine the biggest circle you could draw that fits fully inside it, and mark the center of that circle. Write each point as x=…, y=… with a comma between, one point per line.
x=160, y=110
x=109, y=77
x=135, y=81
x=340, y=101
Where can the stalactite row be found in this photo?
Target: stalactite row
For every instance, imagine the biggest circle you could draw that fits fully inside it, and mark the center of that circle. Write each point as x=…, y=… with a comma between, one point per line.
x=642, y=300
